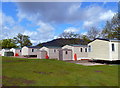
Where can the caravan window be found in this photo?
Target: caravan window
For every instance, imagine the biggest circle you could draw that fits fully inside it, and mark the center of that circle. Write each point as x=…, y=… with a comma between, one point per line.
x=66, y=52
x=85, y=49
x=54, y=50
x=32, y=50
x=113, y=47
x=80, y=49
x=20, y=50
x=89, y=48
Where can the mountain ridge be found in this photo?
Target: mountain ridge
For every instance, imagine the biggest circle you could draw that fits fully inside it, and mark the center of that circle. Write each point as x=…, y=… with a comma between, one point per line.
x=61, y=42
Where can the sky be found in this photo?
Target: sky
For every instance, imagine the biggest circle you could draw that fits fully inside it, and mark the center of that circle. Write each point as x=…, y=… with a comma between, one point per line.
x=44, y=21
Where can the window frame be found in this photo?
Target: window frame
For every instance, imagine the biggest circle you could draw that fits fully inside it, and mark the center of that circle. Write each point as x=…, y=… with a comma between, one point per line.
x=54, y=50
x=89, y=48
x=113, y=47
x=86, y=50
x=32, y=50
x=66, y=52
x=81, y=49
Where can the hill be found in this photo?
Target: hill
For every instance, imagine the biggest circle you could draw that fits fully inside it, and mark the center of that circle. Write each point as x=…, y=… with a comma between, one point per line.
x=61, y=42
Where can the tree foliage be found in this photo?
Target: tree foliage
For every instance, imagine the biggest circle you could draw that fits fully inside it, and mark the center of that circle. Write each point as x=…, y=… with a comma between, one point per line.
x=116, y=26
x=68, y=35
x=22, y=40
x=85, y=38
x=93, y=33
x=112, y=28
x=73, y=38
x=107, y=31
x=7, y=43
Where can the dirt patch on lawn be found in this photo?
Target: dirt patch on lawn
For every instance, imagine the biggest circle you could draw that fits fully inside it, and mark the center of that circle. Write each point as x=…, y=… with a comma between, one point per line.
x=98, y=71
x=9, y=61
x=25, y=57
x=16, y=61
x=19, y=56
x=16, y=81
x=46, y=73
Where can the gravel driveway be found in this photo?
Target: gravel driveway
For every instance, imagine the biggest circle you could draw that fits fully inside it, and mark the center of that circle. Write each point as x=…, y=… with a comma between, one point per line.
x=85, y=62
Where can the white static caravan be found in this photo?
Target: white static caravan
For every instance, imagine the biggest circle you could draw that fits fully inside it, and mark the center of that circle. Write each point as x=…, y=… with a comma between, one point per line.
x=65, y=54
x=16, y=51
x=81, y=51
x=30, y=50
x=104, y=49
x=52, y=51
x=42, y=54
x=3, y=51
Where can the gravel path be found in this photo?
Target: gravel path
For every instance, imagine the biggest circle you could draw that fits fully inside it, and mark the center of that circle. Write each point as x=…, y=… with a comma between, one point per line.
x=85, y=62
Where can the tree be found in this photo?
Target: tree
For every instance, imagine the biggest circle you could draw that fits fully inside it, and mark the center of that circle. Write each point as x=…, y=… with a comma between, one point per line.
x=63, y=35
x=93, y=33
x=85, y=38
x=8, y=43
x=68, y=35
x=116, y=25
x=22, y=40
x=107, y=31
x=112, y=28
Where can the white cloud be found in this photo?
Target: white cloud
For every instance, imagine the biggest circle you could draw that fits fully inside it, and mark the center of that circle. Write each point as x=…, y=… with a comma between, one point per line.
x=29, y=33
x=88, y=23
x=20, y=15
x=55, y=37
x=0, y=20
x=96, y=15
x=43, y=15
x=44, y=27
x=71, y=29
x=74, y=8
x=10, y=32
x=10, y=29
x=7, y=20
x=45, y=31
x=34, y=42
x=50, y=12
x=69, y=13
x=84, y=33
x=93, y=11
x=106, y=15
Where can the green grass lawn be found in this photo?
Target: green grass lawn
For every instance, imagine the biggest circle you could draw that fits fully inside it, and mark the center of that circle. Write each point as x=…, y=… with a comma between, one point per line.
x=30, y=72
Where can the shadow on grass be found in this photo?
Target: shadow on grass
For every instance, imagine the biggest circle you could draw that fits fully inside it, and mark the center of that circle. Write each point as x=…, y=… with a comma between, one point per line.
x=47, y=73
x=16, y=81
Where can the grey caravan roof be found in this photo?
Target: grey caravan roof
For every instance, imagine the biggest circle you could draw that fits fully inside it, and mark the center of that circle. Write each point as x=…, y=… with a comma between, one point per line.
x=114, y=40
x=37, y=47
x=57, y=47
x=78, y=45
